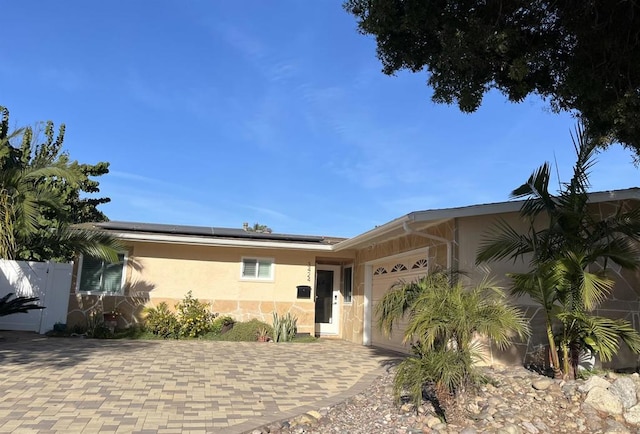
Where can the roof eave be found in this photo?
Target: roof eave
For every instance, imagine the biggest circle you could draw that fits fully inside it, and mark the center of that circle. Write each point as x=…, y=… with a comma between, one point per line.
x=442, y=215
x=221, y=242
x=373, y=233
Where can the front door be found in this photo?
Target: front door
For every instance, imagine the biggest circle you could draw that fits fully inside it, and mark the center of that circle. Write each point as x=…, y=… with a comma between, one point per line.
x=327, y=299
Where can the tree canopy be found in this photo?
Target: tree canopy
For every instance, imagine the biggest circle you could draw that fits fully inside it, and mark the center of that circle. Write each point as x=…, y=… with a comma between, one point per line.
x=257, y=227
x=582, y=56
x=42, y=193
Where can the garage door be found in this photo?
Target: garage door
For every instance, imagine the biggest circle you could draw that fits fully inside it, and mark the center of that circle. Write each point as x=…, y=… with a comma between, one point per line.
x=385, y=275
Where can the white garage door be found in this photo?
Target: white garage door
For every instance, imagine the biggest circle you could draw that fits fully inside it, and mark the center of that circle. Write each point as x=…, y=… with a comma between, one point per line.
x=385, y=275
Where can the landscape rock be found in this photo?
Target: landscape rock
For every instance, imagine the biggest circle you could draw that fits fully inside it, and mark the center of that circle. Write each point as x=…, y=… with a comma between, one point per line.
x=314, y=414
x=432, y=421
x=611, y=375
x=542, y=384
x=602, y=400
x=513, y=407
x=510, y=429
x=632, y=415
x=625, y=389
x=614, y=427
x=440, y=427
x=593, y=381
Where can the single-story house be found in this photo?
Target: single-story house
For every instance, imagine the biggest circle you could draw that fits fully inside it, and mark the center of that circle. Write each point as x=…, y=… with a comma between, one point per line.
x=330, y=284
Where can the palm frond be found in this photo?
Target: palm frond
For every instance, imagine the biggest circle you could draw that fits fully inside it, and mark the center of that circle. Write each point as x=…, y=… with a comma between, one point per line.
x=93, y=243
x=602, y=334
x=395, y=302
x=502, y=241
x=587, y=290
x=586, y=149
x=10, y=306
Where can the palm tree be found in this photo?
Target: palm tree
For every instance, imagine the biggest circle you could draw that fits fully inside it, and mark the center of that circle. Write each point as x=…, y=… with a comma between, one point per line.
x=24, y=197
x=445, y=318
x=569, y=250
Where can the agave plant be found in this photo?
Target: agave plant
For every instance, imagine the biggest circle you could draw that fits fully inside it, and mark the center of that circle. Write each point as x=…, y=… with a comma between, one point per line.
x=284, y=327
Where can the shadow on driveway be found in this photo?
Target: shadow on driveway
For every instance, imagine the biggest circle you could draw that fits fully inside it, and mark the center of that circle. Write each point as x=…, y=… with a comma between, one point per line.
x=86, y=385
x=39, y=351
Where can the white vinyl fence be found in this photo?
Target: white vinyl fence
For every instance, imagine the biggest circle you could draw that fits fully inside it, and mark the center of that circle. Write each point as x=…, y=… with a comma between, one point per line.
x=49, y=281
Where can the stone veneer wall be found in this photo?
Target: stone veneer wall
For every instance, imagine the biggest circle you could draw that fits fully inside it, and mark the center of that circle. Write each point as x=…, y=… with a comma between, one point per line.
x=81, y=307
x=353, y=314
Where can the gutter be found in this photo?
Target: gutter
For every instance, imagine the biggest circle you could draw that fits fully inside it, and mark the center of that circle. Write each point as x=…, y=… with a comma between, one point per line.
x=199, y=241
x=373, y=233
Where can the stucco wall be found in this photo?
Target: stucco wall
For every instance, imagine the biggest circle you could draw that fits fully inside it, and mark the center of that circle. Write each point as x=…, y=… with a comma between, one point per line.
x=623, y=302
x=166, y=272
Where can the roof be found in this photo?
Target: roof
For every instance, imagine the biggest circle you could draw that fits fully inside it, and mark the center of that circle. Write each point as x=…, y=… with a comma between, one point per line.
x=213, y=236
x=205, y=235
x=436, y=216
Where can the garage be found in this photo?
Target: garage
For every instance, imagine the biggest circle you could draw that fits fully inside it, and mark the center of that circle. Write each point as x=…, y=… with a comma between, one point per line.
x=385, y=274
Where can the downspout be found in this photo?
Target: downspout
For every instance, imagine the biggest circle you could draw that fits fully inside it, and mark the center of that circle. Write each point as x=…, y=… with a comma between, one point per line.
x=410, y=231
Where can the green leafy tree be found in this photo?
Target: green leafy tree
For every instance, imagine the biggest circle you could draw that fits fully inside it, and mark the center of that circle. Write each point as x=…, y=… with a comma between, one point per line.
x=445, y=318
x=257, y=227
x=40, y=198
x=580, y=55
x=569, y=249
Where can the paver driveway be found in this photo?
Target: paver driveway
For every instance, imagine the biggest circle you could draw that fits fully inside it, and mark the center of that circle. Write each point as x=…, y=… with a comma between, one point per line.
x=82, y=385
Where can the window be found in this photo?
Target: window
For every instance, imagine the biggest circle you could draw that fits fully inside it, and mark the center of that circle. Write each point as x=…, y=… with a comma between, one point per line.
x=347, y=284
x=101, y=277
x=257, y=268
x=399, y=267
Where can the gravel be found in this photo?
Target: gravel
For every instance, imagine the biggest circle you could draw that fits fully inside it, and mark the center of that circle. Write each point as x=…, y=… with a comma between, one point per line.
x=517, y=401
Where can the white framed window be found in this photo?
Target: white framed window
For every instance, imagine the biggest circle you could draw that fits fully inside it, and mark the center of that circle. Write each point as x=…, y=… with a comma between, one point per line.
x=97, y=276
x=257, y=268
x=347, y=283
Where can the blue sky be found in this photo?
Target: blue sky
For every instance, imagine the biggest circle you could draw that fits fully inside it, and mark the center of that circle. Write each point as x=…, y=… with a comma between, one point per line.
x=216, y=113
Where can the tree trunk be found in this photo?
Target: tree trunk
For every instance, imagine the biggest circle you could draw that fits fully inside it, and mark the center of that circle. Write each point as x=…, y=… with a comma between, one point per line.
x=555, y=360
x=566, y=362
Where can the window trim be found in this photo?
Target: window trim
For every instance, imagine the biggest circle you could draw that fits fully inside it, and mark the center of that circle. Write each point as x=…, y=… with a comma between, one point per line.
x=272, y=273
x=344, y=298
x=122, y=281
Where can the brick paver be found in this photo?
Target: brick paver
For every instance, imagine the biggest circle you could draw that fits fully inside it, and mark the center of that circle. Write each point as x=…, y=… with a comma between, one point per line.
x=102, y=386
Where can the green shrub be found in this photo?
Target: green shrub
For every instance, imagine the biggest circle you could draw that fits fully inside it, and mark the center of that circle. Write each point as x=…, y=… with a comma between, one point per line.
x=100, y=331
x=219, y=322
x=194, y=316
x=284, y=328
x=96, y=327
x=246, y=331
x=134, y=332
x=161, y=321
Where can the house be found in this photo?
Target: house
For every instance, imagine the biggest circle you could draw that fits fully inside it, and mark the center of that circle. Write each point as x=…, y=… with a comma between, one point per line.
x=330, y=284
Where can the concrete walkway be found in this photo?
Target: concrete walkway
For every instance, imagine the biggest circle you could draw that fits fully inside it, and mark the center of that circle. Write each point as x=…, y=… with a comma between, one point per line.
x=101, y=386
